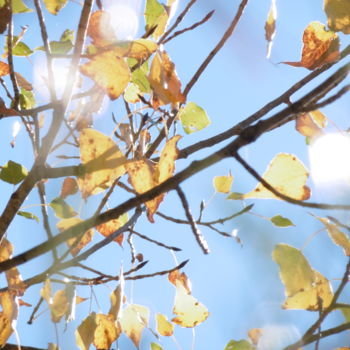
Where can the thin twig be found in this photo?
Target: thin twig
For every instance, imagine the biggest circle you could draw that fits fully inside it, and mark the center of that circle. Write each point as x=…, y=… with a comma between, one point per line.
x=160, y=244
x=197, y=233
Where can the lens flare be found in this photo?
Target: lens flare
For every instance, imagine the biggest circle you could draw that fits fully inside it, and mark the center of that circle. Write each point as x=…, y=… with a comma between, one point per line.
x=329, y=158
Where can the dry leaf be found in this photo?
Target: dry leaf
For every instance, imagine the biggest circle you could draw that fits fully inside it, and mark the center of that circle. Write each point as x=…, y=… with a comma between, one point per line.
x=5, y=329
x=102, y=159
x=117, y=297
x=133, y=320
x=65, y=224
x=311, y=124
x=164, y=81
x=144, y=175
x=338, y=13
x=69, y=187
x=286, y=174
x=8, y=314
x=5, y=17
x=270, y=27
x=320, y=47
x=190, y=312
x=255, y=334
x=111, y=226
x=84, y=334
x=45, y=292
x=100, y=29
x=175, y=276
x=164, y=327
x=23, y=83
x=4, y=69
x=58, y=306
x=222, y=184
x=106, y=331
x=110, y=72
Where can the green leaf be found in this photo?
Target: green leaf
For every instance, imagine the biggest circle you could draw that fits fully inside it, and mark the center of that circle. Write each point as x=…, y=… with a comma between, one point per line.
x=62, y=209
x=13, y=172
x=60, y=47
x=235, y=195
x=21, y=49
x=280, y=221
x=239, y=345
x=156, y=16
x=19, y=7
x=67, y=35
x=295, y=271
x=155, y=346
x=55, y=6
x=193, y=118
x=346, y=313
x=139, y=75
x=26, y=99
x=28, y=215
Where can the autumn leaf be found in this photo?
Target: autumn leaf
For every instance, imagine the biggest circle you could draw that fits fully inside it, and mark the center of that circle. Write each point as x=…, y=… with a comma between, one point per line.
x=8, y=314
x=270, y=27
x=193, y=118
x=58, y=306
x=109, y=71
x=164, y=81
x=286, y=174
x=116, y=298
x=175, y=276
x=5, y=17
x=338, y=237
x=164, y=327
x=55, y=6
x=106, y=331
x=102, y=160
x=239, y=345
x=222, y=184
x=111, y=226
x=84, y=239
x=144, y=175
x=311, y=124
x=320, y=47
x=190, y=312
x=69, y=187
x=305, y=288
x=100, y=29
x=4, y=69
x=156, y=16
x=85, y=333
x=133, y=320
x=338, y=13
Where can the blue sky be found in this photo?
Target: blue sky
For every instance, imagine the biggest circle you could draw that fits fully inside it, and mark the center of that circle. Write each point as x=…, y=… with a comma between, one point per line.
x=239, y=284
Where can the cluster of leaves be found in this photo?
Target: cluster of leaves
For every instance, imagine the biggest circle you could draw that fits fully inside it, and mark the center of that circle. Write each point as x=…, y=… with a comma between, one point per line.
x=141, y=72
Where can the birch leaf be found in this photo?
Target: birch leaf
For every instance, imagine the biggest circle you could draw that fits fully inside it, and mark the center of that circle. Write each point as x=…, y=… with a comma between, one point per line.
x=338, y=13
x=222, y=184
x=55, y=6
x=193, y=118
x=106, y=332
x=164, y=327
x=84, y=334
x=288, y=175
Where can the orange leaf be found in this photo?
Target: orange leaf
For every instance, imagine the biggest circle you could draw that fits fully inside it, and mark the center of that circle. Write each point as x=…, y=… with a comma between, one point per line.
x=4, y=69
x=102, y=159
x=320, y=47
x=288, y=175
x=306, y=125
x=100, y=29
x=164, y=81
x=109, y=71
x=69, y=187
x=106, y=331
x=111, y=226
x=164, y=327
x=175, y=277
x=85, y=239
x=133, y=321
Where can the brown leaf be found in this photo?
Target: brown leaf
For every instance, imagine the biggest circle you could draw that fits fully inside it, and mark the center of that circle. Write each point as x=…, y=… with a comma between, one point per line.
x=5, y=17
x=100, y=29
x=103, y=162
x=320, y=47
x=23, y=83
x=65, y=224
x=110, y=72
x=69, y=187
x=164, y=81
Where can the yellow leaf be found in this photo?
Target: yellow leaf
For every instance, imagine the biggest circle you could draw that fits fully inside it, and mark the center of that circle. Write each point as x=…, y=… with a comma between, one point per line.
x=139, y=49
x=164, y=327
x=6, y=249
x=320, y=47
x=144, y=175
x=8, y=314
x=100, y=29
x=223, y=184
x=305, y=288
x=84, y=334
x=190, y=312
x=133, y=320
x=164, y=81
x=102, y=159
x=54, y=6
x=132, y=93
x=270, y=26
x=338, y=13
x=111, y=226
x=117, y=298
x=85, y=239
x=318, y=296
x=106, y=332
x=307, y=125
x=45, y=292
x=338, y=237
x=59, y=306
x=5, y=329
x=288, y=175
x=109, y=71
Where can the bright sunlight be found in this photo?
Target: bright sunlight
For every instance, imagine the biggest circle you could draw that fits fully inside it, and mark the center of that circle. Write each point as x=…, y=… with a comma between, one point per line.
x=329, y=158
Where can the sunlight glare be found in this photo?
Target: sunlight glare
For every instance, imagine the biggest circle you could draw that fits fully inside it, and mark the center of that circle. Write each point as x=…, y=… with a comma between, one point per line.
x=276, y=336
x=329, y=158
x=125, y=20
